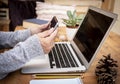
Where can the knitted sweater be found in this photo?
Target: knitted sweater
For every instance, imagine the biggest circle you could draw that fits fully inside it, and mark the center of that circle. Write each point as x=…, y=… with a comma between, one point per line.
x=25, y=47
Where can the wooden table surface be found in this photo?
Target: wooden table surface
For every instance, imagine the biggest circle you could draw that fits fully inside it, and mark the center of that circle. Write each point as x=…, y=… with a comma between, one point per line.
x=111, y=45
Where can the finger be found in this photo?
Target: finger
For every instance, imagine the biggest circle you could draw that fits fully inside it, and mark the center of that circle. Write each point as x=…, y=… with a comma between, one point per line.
x=46, y=33
x=53, y=35
x=46, y=44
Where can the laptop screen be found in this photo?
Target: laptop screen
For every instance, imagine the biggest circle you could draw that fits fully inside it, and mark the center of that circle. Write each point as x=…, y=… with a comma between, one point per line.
x=91, y=32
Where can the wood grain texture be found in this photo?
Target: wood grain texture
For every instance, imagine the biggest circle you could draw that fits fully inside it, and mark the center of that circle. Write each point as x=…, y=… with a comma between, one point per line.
x=111, y=45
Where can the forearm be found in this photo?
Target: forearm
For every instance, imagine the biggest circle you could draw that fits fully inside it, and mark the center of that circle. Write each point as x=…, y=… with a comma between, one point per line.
x=10, y=39
x=16, y=58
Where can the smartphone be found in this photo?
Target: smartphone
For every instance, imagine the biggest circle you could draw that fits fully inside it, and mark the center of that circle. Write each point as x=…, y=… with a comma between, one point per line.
x=54, y=23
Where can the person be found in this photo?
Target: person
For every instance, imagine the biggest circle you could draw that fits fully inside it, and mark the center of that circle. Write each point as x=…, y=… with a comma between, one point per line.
x=20, y=10
x=26, y=44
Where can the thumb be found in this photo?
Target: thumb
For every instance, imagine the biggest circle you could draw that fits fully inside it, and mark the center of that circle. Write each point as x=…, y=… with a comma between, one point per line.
x=44, y=26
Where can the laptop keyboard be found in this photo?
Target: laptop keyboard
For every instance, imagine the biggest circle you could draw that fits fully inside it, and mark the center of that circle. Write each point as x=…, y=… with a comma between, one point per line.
x=61, y=57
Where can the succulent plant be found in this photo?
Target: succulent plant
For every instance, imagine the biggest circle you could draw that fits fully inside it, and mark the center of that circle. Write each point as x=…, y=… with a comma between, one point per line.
x=73, y=19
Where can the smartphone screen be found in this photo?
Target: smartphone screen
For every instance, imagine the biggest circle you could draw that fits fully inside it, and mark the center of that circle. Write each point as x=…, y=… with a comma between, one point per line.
x=54, y=22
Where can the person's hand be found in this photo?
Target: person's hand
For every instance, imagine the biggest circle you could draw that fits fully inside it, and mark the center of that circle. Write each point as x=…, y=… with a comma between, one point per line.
x=47, y=39
x=39, y=29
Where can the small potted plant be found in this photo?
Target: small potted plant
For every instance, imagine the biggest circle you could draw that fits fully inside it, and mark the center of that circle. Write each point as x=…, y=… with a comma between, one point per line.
x=72, y=23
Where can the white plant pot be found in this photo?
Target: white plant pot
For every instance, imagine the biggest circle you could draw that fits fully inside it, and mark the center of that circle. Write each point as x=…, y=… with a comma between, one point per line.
x=70, y=32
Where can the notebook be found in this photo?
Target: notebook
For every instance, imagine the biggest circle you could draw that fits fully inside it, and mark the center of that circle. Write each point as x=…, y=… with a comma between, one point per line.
x=33, y=23
x=58, y=81
x=78, y=54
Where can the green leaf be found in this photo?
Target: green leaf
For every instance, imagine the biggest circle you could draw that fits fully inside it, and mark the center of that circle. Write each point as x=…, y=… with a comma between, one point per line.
x=73, y=18
x=69, y=14
x=74, y=14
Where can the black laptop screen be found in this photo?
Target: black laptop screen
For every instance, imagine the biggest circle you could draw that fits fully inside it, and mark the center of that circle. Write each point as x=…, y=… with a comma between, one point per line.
x=91, y=32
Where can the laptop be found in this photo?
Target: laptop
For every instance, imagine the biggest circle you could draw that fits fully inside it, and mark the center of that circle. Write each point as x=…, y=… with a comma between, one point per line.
x=78, y=54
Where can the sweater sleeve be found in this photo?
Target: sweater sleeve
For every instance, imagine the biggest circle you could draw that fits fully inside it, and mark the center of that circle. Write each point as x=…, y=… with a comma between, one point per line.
x=16, y=58
x=10, y=39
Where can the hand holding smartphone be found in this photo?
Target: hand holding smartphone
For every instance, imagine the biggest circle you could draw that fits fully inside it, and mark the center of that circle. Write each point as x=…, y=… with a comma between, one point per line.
x=54, y=23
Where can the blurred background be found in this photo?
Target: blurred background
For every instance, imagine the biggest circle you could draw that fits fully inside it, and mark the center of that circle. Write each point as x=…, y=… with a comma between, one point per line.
x=80, y=5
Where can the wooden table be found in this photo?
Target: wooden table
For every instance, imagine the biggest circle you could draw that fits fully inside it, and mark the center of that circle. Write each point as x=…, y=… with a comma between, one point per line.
x=111, y=45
